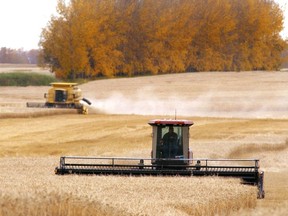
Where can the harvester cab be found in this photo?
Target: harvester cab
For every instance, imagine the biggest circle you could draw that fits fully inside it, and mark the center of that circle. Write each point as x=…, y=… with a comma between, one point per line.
x=63, y=95
x=170, y=142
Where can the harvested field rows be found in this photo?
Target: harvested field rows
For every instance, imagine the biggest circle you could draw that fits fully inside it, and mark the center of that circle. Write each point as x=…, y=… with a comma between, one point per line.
x=30, y=150
x=33, y=140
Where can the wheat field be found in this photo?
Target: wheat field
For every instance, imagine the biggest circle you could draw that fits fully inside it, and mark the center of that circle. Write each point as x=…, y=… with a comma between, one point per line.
x=236, y=115
x=23, y=68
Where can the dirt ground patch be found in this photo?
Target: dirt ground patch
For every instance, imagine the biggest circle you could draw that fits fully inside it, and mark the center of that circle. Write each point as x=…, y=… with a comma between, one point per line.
x=25, y=68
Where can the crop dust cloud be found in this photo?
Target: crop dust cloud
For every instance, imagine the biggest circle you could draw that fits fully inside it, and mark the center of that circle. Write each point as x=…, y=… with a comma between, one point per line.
x=221, y=104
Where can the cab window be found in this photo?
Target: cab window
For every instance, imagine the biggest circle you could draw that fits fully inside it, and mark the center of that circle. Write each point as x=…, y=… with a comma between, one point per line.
x=169, y=142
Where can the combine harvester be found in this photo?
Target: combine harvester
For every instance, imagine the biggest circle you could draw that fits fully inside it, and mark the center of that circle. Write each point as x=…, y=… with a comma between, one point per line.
x=63, y=95
x=170, y=156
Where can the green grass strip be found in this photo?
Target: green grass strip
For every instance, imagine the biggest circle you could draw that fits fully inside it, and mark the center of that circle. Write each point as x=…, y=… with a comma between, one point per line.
x=25, y=79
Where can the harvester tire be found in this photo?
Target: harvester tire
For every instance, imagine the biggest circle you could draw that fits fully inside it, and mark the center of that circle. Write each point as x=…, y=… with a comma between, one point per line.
x=84, y=110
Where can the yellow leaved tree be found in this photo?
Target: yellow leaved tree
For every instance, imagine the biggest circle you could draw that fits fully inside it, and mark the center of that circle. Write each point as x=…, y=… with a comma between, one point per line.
x=93, y=38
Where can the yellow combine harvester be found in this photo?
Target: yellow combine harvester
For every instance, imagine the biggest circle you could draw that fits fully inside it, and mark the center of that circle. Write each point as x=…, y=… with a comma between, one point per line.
x=63, y=95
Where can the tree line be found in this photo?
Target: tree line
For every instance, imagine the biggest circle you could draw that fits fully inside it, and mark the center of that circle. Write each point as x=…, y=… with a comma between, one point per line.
x=18, y=56
x=93, y=38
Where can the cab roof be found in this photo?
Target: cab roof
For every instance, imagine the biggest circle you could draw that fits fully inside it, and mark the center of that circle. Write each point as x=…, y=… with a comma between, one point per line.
x=171, y=122
x=63, y=84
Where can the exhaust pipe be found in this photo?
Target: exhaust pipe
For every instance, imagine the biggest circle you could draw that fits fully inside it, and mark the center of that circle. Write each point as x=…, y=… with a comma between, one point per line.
x=87, y=101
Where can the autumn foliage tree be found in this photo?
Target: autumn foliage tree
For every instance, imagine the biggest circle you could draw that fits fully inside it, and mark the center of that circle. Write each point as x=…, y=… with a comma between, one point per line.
x=92, y=38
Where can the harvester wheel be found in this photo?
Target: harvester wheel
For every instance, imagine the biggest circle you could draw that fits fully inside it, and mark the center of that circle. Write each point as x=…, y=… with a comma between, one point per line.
x=84, y=110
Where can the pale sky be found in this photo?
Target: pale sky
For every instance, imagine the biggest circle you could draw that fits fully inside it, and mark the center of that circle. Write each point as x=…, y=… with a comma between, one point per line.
x=21, y=21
